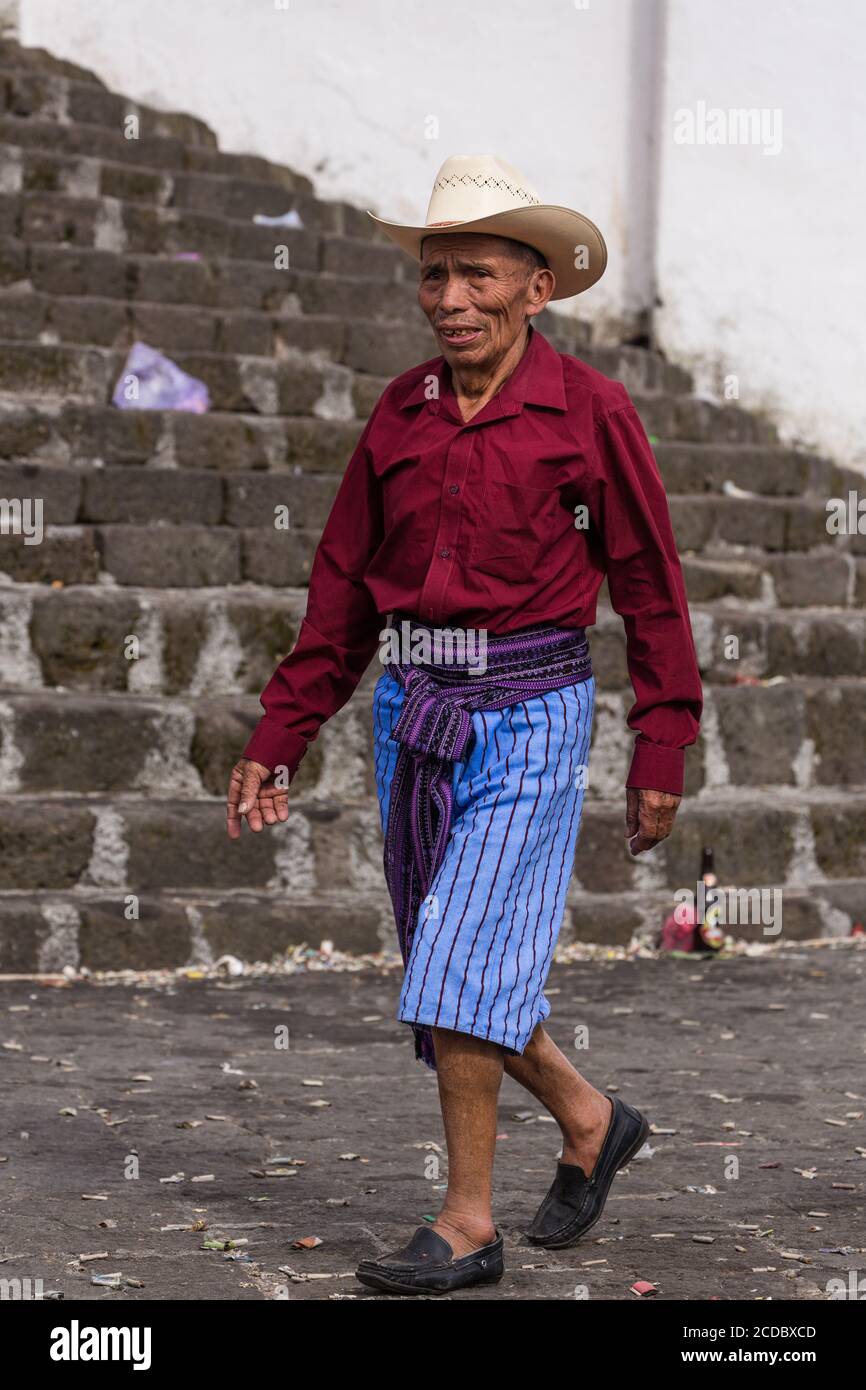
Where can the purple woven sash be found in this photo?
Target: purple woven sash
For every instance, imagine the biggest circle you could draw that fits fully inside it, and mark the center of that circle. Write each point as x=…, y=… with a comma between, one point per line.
x=434, y=731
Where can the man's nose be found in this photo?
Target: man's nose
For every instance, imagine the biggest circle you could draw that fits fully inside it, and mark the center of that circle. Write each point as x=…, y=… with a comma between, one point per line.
x=452, y=297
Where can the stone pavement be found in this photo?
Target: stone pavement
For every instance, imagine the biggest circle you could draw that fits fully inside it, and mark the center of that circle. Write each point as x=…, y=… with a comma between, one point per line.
x=758, y=1060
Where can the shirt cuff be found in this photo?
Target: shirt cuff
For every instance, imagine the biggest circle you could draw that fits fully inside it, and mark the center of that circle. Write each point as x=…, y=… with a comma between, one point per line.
x=275, y=747
x=656, y=768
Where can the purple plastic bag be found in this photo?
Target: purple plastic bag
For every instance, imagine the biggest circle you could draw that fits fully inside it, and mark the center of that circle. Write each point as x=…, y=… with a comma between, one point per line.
x=151, y=381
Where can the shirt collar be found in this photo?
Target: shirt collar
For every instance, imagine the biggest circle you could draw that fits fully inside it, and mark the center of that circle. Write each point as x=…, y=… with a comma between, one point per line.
x=536, y=380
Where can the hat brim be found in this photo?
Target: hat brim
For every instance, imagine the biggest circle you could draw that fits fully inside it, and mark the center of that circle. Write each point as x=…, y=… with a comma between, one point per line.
x=558, y=233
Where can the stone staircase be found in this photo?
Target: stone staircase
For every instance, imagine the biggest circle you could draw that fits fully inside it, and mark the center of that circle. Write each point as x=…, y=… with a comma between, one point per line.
x=135, y=639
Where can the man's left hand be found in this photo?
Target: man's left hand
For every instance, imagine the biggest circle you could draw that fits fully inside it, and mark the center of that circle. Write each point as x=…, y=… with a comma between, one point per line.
x=649, y=817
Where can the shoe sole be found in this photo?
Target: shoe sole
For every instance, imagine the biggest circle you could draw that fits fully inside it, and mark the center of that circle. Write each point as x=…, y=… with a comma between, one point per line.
x=563, y=1243
x=385, y=1285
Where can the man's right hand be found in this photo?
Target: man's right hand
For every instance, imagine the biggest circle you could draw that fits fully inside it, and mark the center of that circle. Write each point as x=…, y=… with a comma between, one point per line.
x=252, y=793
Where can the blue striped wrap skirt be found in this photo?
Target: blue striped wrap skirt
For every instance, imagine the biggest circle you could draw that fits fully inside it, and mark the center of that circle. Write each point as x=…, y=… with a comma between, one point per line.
x=486, y=931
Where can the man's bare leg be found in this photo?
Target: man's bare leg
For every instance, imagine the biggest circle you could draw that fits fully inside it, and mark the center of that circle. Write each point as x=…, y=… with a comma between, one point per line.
x=469, y=1072
x=582, y=1112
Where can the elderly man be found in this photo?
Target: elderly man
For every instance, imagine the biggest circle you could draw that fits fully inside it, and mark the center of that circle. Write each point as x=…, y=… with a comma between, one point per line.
x=492, y=490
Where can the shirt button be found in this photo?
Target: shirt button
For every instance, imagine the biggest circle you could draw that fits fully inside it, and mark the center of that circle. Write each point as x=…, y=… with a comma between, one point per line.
x=454, y=488
x=444, y=554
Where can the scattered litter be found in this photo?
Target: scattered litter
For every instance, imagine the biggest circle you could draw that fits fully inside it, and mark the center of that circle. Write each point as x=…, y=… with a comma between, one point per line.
x=292, y=218
x=204, y=1177
x=107, y=1281
x=248, y=1085
x=347, y=1158
x=704, y=1240
x=319, y=1104
x=643, y=1289
x=188, y=1124
x=94, y=1196
x=731, y=490
x=306, y=1243
x=102, y=1255
x=68, y=1110
x=151, y=381
x=107, y=1224
x=175, y=1177
x=230, y=965
x=312, y=1083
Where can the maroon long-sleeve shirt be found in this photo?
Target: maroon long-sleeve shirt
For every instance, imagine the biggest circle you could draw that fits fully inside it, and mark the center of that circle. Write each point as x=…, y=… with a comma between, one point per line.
x=509, y=520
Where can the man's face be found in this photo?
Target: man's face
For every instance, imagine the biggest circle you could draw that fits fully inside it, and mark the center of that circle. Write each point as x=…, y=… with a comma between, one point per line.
x=477, y=292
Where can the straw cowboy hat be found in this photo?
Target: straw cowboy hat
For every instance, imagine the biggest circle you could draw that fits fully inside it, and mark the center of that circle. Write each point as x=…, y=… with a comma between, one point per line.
x=481, y=193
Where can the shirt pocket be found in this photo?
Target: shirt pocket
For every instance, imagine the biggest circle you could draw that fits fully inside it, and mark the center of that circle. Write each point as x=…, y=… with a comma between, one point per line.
x=512, y=528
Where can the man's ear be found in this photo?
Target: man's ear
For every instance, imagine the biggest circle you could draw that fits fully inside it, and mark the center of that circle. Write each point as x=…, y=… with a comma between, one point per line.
x=540, y=291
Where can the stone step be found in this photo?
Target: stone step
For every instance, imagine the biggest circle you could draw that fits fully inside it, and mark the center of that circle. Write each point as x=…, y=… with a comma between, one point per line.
x=823, y=578
x=168, y=546
x=747, y=524
x=797, y=733
x=78, y=436
x=644, y=374
x=16, y=57
x=175, y=329
x=297, y=384
x=56, y=98
x=63, y=844
x=220, y=194
x=180, y=496
x=228, y=441
x=217, y=283
x=92, y=928
x=110, y=224
x=168, y=153
x=230, y=640
x=691, y=467
x=36, y=372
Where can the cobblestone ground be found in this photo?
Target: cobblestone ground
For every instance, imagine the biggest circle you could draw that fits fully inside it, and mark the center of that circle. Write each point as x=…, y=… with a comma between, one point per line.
x=757, y=1061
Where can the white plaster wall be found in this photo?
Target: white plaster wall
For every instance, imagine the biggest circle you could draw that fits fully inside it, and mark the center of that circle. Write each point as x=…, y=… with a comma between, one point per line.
x=762, y=258
x=343, y=90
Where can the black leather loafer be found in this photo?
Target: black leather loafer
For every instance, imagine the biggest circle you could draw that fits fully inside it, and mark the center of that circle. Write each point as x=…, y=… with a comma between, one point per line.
x=575, y=1202
x=427, y=1265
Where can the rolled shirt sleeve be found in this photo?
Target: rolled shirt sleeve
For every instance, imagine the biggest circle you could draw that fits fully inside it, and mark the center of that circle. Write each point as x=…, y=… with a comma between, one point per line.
x=645, y=582
x=340, y=632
